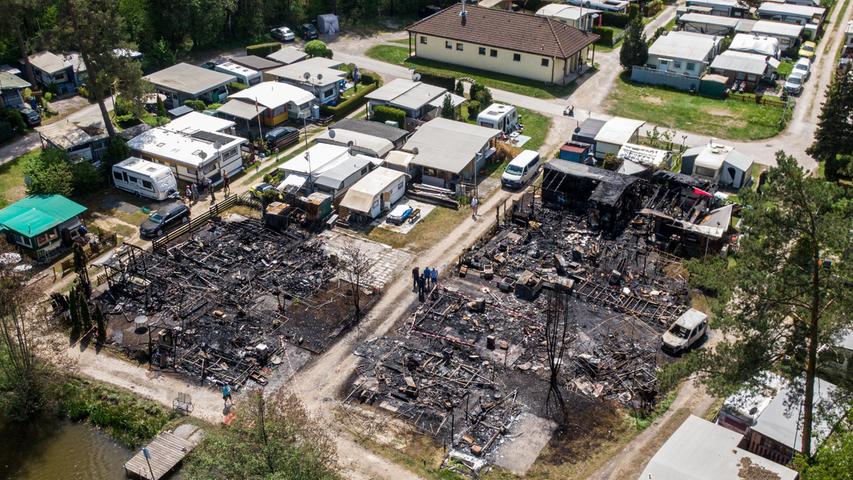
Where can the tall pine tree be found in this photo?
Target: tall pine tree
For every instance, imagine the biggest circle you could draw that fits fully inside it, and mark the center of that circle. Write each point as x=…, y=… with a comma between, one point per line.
x=634, y=50
x=788, y=298
x=834, y=136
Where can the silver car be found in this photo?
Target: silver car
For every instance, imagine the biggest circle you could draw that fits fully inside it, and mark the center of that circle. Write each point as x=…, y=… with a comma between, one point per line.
x=283, y=34
x=794, y=83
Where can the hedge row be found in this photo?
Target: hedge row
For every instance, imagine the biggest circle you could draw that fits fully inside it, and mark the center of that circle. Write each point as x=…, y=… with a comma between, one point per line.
x=439, y=80
x=383, y=113
x=263, y=49
x=653, y=8
x=613, y=19
x=609, y=36
x=351, y=104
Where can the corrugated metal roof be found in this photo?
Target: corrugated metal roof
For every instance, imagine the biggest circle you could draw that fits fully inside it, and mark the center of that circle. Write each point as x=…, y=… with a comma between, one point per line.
x=36, y=214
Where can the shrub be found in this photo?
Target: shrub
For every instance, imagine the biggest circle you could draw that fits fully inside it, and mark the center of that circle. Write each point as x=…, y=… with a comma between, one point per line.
x=607, y=35
x=196, y=105
x=317, y=48
x=86, y=178
x=84, y=92
x=48, y=96
x=613, y=19
x=5, y=131
x=473, y=109
x=51, y=88
x=460, y=89
x=349, y=105
x=653, y=8
x=122, y=107
x=439, y=80
x=370, y=78
x=263, y=49
x=633, y=10
x=49, y=173
x=383, y=113
x=13, y=118
x=236, y=86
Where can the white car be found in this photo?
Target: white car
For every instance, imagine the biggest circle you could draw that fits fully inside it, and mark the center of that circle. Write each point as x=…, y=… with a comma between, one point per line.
x=685, y=332
x=283, y=34
x=794, y=83
x=803, y=67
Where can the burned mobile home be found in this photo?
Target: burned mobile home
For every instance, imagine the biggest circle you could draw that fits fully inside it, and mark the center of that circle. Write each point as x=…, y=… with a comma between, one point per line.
x=228, y=304
x=544, y=316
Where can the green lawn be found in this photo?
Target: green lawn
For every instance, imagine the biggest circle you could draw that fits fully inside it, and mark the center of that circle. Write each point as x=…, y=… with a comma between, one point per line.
x=785, y=68
x=12, y=186
x=531, y=88
x=728, y=119
x=429, y=231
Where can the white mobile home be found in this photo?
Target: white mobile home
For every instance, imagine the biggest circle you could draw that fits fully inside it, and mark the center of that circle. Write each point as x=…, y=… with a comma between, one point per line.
x=191, y=157
x=244, y=75
x=500, y=116
x=378, y=191
x=144, y=178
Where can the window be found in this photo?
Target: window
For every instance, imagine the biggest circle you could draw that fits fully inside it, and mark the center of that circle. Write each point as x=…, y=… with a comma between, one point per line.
x=482, y=50
x=423, y=40
x=545, y=62
x=147, y=184
x=231, y=153
x=676, y=64
x=42, y=239
x=328, y=93
x=493, y=53
x=448, y=44
x=459, y=47
x=208, y=168
x=691, y=66
x=364, y=171
x=705, y=172
x=117, y=175
x=131, y=179
x=516, y=57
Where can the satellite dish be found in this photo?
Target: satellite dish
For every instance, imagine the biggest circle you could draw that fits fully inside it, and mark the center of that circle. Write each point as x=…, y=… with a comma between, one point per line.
x=332, y=133
x=319, y=76
x=415, y=150
x=416, y=77
x=306, y=75
x=350, y=143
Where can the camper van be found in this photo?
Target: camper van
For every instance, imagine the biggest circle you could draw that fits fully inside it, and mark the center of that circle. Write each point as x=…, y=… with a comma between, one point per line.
x=499, y=116
x=522, y=168
x=144, y=178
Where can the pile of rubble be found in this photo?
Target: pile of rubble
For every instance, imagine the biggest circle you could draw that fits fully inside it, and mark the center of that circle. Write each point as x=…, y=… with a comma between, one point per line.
x=482, y=334
x=223, y=305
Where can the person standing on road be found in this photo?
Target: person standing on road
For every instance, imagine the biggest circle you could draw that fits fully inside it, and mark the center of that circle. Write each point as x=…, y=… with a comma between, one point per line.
x=427, y=277
x=421, y=288
x=195, y=192
x=434, y=274
x=474, y=205
x=415, y=275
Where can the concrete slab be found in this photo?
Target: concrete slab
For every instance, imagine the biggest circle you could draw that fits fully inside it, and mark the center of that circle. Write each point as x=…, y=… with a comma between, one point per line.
x=528, y=437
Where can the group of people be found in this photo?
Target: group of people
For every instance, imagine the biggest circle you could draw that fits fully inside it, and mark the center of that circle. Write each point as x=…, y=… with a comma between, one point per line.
x=193, y=191
x=422, y=281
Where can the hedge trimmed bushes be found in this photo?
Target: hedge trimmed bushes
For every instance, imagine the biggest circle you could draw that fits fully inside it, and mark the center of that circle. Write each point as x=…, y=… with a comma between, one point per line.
x=263, y=49
x=349, y=105
x=653, y=8
x=609, y=36
x=384, y=113
x=196, y=105
x=613, y=19
x=236, y=86
x=439, y=80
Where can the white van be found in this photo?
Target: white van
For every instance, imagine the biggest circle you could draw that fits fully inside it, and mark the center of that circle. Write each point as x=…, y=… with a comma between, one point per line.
x=522, y=168
x=144, y=178
x=690, y=327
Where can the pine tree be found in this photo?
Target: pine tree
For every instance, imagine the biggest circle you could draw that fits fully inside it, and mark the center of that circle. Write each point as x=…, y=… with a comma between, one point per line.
x=834, y=135
x=460, y=88
x=100, y=321
x=635, y=50
x=447, y=110
x=74, y=312
x=81, y=270
x=788, y=297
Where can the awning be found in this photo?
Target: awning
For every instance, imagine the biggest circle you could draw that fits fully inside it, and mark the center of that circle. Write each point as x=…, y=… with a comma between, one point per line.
x=240, y=109
x=456, y=100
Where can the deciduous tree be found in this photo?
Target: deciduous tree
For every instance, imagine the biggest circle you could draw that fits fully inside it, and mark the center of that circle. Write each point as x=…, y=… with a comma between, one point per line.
x=273, y=437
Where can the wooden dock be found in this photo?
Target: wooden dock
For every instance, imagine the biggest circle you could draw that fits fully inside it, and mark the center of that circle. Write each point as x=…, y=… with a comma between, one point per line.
x=166, y=452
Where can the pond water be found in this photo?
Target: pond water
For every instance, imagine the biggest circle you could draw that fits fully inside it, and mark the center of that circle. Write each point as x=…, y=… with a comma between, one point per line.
x=49, y=449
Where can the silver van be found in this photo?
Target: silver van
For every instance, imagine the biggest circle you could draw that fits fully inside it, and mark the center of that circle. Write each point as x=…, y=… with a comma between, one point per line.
x=521, y=169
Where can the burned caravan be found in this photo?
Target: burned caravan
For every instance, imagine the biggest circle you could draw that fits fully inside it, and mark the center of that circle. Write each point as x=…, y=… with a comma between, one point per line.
x=610, y=199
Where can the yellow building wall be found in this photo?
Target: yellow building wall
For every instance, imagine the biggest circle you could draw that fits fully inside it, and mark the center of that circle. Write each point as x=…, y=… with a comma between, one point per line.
x=272, y=120
x=529, y=66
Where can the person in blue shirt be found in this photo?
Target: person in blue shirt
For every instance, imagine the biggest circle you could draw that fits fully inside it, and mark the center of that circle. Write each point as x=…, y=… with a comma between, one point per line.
x=427, y=276
x=434, y=274
x=226, y=395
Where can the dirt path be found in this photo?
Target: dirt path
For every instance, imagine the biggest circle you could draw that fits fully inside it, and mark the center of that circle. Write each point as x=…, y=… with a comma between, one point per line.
x=629, y=463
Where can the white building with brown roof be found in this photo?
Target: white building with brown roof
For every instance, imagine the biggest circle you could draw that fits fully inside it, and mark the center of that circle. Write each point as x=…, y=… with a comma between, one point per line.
x=517, y=44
